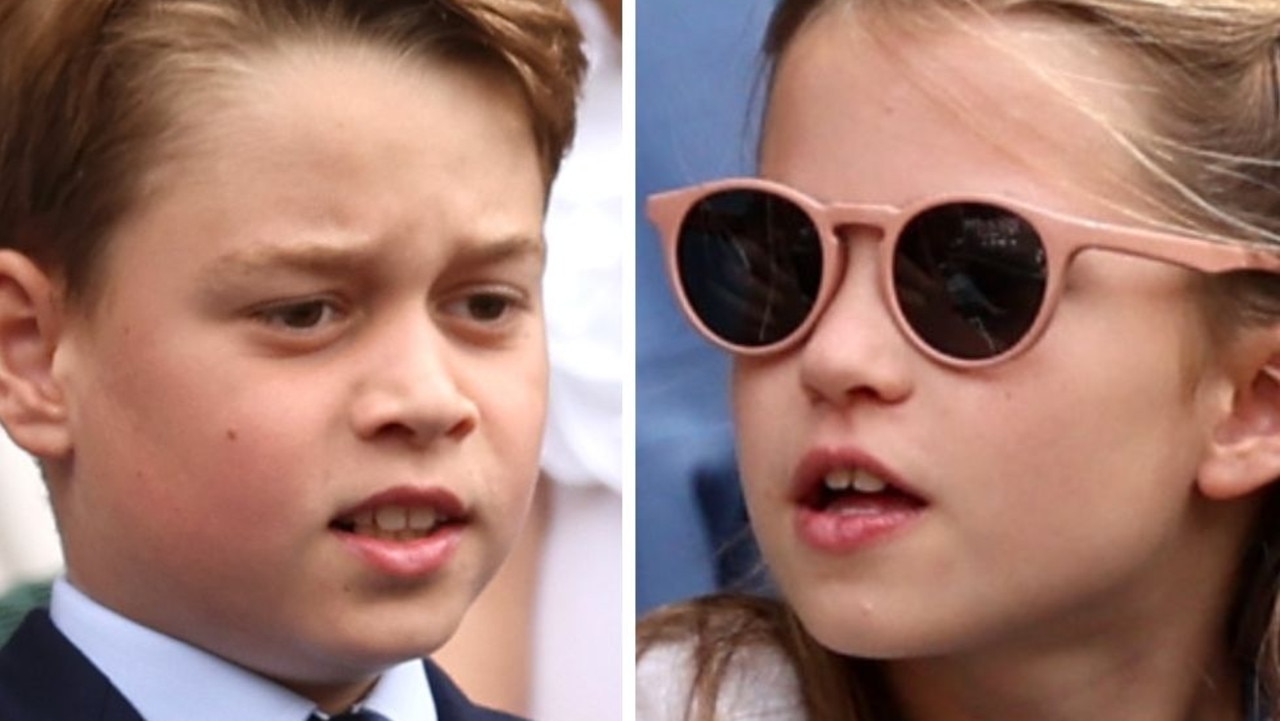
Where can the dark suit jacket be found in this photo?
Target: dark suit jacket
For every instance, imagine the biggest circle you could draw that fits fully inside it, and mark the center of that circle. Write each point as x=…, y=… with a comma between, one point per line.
x=43, y=677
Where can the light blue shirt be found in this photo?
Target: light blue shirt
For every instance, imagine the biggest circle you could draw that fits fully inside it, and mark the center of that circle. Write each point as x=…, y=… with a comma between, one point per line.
x=168, y=680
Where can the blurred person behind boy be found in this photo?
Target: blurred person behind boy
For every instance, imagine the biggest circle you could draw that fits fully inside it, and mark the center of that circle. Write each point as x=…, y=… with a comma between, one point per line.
x=554, y=610
x=29, y=553
x=28, y=542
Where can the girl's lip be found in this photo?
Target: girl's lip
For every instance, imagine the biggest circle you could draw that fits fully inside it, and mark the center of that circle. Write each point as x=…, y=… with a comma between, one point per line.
x=811, y=472
x=857, y=522
x=407, y=559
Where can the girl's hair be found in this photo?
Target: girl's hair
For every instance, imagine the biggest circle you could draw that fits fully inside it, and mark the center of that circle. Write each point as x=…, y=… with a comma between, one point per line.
x=90, y=90
x=1210, y=147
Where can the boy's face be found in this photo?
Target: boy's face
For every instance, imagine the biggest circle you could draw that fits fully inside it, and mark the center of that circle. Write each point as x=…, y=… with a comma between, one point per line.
x=321, y=324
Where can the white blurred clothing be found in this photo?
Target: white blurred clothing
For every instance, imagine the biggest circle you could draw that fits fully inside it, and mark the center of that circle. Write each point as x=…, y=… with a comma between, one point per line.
x=584, y=283
x=759, y=685
x=578, y=665
x=29, y=547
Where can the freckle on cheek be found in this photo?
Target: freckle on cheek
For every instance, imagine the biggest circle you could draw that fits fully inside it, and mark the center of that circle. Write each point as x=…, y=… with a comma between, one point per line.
x=231, y=434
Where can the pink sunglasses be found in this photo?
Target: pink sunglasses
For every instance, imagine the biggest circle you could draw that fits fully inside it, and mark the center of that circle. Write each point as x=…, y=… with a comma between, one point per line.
x=971, y=281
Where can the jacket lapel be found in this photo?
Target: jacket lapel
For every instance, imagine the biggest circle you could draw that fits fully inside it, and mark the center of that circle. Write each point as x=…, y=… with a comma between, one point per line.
x=453, y=705
x=43, y=677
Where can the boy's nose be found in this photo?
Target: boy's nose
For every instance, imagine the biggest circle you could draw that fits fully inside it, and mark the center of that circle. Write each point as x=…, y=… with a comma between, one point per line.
x=413, y=388
x=855, y=348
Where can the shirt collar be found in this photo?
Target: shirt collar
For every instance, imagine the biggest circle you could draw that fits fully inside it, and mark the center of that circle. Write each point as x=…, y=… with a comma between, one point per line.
x=165, y=678
x=403, y=694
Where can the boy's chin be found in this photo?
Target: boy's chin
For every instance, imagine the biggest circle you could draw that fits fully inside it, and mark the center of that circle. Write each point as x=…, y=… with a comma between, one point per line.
x=356, y=651
x=377, y=647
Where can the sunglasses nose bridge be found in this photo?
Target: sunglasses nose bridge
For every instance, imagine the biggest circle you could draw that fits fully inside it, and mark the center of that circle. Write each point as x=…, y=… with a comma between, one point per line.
x=847, y=221
x=854, y=346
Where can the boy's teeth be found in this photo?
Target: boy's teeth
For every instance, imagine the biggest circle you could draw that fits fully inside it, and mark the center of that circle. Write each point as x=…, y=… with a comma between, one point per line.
x=396, y=522
x=844, y=479
x=391, y=518
x=422, y=519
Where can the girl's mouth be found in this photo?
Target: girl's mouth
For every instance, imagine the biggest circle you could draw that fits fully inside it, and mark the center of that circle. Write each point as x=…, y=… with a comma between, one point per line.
x=846, y=491
x=845, y=500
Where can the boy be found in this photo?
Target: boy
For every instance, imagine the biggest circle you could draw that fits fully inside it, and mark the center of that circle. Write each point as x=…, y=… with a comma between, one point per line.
x=270, y=318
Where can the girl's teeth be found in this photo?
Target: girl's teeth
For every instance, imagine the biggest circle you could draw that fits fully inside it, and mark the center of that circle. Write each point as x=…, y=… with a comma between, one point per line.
x=866, y=483
x=840, y=479
x=844, y=479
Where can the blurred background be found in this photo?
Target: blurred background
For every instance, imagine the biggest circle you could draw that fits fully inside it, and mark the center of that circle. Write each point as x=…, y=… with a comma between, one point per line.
x=28, y=542
x=697, y=68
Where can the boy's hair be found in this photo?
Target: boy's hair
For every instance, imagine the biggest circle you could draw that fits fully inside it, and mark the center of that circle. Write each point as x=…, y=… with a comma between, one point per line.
x=90, y=90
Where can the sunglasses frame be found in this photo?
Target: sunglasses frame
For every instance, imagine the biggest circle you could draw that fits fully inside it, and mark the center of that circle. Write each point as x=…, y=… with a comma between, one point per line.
x=1062, y=236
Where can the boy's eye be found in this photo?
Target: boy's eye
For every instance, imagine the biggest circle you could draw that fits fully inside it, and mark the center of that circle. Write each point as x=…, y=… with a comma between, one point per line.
x=485, y=307
x=300, y=316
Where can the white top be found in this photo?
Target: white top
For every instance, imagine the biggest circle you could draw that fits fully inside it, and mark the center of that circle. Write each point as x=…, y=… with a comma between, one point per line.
x=578, y=659
x=759, y=685
x=168, y=680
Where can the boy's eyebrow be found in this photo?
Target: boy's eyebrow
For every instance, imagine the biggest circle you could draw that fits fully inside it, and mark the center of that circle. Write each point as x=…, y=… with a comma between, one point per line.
x=313, y=256
x=508, y=248
x=334, y=257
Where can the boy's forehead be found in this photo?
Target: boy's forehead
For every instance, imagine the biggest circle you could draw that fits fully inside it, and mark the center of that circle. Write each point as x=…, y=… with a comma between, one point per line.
x=309, y=99
x=287, y=173
x=336, y=254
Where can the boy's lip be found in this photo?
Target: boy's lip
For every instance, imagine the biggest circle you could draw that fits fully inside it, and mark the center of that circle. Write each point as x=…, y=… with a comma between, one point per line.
x=441, y=500
x=407, y=553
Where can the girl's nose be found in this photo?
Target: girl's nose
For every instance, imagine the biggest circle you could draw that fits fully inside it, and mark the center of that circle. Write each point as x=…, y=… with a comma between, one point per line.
x=855, y=348
x=414, y=388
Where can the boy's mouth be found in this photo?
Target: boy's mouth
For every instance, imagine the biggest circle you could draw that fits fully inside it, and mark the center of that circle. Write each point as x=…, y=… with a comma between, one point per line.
x=402, y=514
x=392, y=523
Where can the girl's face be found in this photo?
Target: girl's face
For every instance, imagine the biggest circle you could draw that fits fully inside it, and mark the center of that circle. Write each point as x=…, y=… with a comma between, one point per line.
x=1037, y=500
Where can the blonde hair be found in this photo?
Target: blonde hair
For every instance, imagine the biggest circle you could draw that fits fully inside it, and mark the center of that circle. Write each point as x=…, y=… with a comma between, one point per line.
x=1211, y=151
x=89, y=88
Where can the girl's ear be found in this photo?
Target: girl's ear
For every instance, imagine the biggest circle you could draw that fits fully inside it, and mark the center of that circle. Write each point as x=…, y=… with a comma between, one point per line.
x=32, y=406
x=1244, y=451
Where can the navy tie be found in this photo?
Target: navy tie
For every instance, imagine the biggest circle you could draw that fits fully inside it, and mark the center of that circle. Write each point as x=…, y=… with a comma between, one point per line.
x=354, y=716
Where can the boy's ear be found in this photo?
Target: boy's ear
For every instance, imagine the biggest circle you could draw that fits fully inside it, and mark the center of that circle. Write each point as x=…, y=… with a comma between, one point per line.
x=32, y=406
x=1244, y=450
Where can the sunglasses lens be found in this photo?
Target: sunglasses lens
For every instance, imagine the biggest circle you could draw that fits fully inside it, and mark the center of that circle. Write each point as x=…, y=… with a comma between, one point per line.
x=750, y=264
x=970, y=278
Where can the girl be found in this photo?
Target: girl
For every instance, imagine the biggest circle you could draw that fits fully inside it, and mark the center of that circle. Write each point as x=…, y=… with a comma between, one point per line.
x=1006, y=324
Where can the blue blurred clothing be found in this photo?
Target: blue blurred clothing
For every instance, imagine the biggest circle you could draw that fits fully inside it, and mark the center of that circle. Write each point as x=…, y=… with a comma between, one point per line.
x=696, y=66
